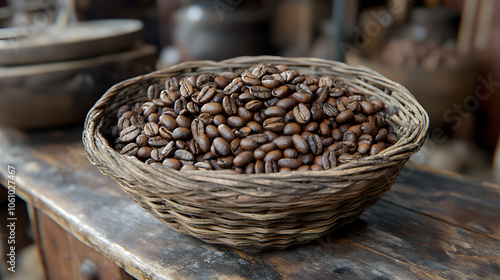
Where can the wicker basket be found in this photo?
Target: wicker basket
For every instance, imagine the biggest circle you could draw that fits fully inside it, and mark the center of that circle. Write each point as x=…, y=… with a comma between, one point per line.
x=259, y=211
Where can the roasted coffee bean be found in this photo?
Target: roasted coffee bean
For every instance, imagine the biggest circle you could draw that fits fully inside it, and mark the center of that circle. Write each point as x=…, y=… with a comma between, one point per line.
x=345, y=158
x=169, y=97
x=367, y=107
x=246, y=97
x=365, y=138
x=142, y=140
x=204, y=143
x=287, y=103
x=306, y=135
x=154, y=118
x=283, y=142
x=226, y=132
x=289, y=75
x=203, y=165
x=225, y=162
x=245, y=114
x=289, y=117
x=260, y=92
x=212, y=131
x=344, y=127
x=248, y=144
x=280, y=92
x=149, y=108
x=302, y=114
x=250, y=80
x=344, y=116
x=243, y=158
x=259, y=154
x=290, y=153
x=243, y=132
x=270, y=82
x=270, y=166
x=381, y=135
x=218, y=120
x=229, y=106
x=392, y=138
x=180, y=105
x=324, y=129
x=188, y=167
x=377, y=106
x=304, y=168
x=234, y=86
x=368, y=128
x=327, y=141
x=307, y=159
x=122, y=110
x=350, y=136
x=218, y=97
x=157, y=141
x=311, y=127
x=316, y=167
x=222, y=146
x=259, y=167
x=250, y=169
x=300, y=144
x=204, y=79
x=300, y=87
x=329, y=160
x=159, y=103
x=342, y=147
x=180, y=144
x=292, y=128
x=144, y=152
x=274, y=111
x=186, y=89
x=337, y=134
x=330, y=110
x=292, y=163
x=254, y=105
x=192, y=108
x=172, y=163
x=235, y=122
x=377, y=148
x=260, y=138
x=130, y=149
x=185, y=155
x=301, y=97
x=298, y=79
x=221, y=82
x=172, y=83
x=274, y=124
x=273, y=155
x=156, y=155
x=364, y=148
x=181, y=133
x=212, y=108
x=130, y=133
x=151, y=129
x=259, y=71
x=254, y=126
x=165, y=133
x=168, y=150
x=259, y=117
x=315, y=144
x=356, y=129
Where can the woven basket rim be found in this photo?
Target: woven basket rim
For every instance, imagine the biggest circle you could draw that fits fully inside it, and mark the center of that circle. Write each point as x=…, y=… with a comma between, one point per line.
x=92, y=128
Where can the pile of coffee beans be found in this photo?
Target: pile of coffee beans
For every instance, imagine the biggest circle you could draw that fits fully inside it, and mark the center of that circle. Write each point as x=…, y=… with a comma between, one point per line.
x=265, y=119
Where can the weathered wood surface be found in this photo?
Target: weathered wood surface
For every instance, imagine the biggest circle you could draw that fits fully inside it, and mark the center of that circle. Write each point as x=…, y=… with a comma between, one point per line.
x=430, y=225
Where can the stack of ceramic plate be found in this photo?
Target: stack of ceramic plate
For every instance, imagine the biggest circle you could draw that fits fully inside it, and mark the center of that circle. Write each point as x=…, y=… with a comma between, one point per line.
x=53, y=77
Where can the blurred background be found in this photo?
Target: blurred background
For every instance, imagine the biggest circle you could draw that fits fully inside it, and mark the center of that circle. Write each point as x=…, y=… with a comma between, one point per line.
x=57, y=57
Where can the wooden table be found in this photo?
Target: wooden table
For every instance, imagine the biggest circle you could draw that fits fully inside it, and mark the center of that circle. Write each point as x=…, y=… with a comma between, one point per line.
x=430, y=225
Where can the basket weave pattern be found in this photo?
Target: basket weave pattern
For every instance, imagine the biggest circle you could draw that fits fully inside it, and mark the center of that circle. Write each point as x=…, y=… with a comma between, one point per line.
x=259, y=211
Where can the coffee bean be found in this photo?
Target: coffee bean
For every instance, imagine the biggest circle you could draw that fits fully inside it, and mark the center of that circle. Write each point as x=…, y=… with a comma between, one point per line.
x=273, y=155
x=345, y=158
x=248, y=144
x=181, y=133
x=186, y=89
x=151, y=129
x=235, y=122
x=212, y=131
x=130, y=149
x=304, y=168
x=204, y=79
x=270, y=135
x=290, y=153
x=222, y=146
x=270, y=166
x=250, y=79
x=225, y=162
x=188, y=167
x=287, y=103
x=327, y=141
x=337, y=134
x=329, y=160
x=172, y=163
x=254, y=105
x=377, y=148
x=289, y=75
x=392, y=138
x=365, y=138
x=274, y=124
x=330, y=110
x=130, y=133
x=243, y=158
x=292, y=163
x=316, y=167
x=311, y=127
x=255, y=126
x=234, y=86
x=300, y=144
x=259, y=154
x=229, y=105
x=250, y=169
x=301, y=114
x=144, y=152
x=381, y=135
x=218, y=97
x=280, y=92
x=324, y=129
x=364, y=148
x=350, y=136
x=221, y=82
x=165, y=133
x=368, y=128
x=377, y=105
x=168, y=150
x=344, y=116
x=302, y=97
x=226, y=132
x=356, y=129
x=292, y=128
x=212, y=108
x=260, y=92
x=260, y=138
x=169, y=97
x=245, y=114
x=155, y=118
x=274, y=111
x=185, y=155
x=270, y=82
x=142, y=140
x=283, y=142
x=315, y=144
x=157, y=141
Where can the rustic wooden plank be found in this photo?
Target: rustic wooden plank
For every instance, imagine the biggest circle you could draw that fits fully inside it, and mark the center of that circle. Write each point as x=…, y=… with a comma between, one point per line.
x=448, y=251
x=458, y=200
